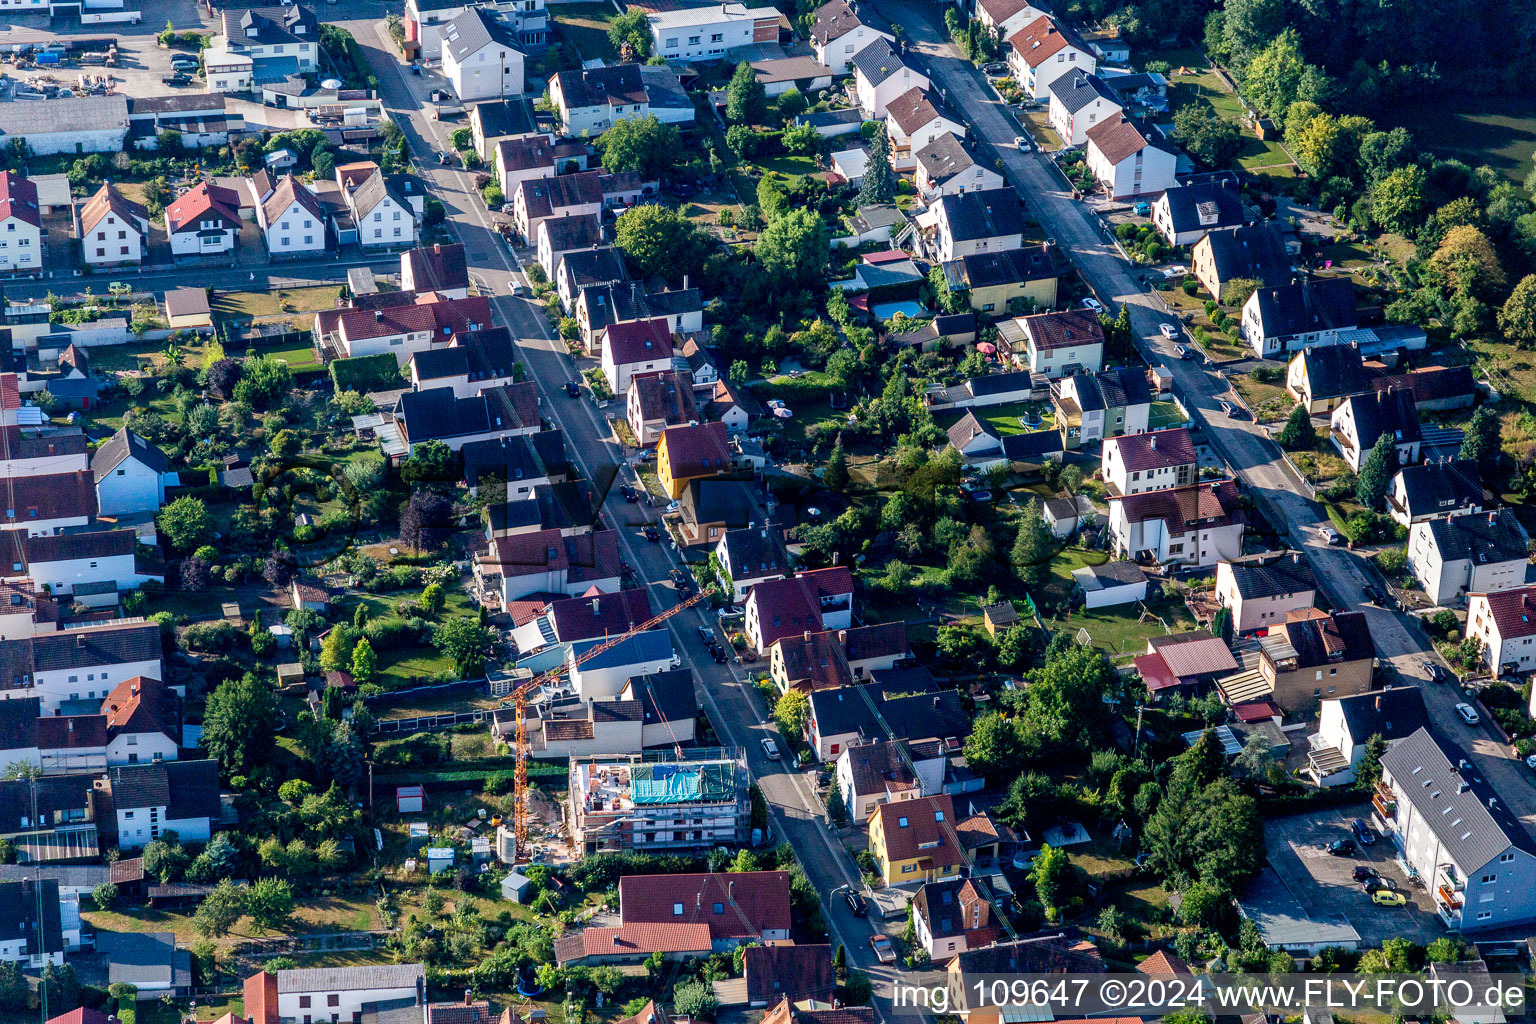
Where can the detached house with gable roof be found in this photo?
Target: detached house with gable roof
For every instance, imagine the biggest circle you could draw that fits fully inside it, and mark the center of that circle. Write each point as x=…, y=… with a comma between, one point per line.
x=482, y=58
x=1079, y=101
x=178, y=796
x=91, y=565
x=1436, y=489
x=1453, y=556
x=633, y=348
x=657, y=401
x=952, y=916
x=1044, y=50
x=750, y=556
x=706, y=33
x=1197, y=525
x=1323, y=376
x=569, y=195
x=838, y=34
x=204, y=221
x=915, y=841
x=592, y=100
x=1254, y=252
x=1305, y=660
x=437, y=268
x=113, y=229
x=971, y=223
x=143, y=722
x=1505, y=621
x=385, y=209
x=1361, y=420
x=833, y=658
x=1262, y=590
x=1345, y=726
x=1095, y=406
x=915, y=119
x=909, y=701
x=1475, y=857
x=689, y=453
x=1151, y=461
x=872, y=774
x=739, y=907
x=547, y=563
x=1061, y=344
x=1182, y=215
x=880, y=76
x=821, y=599
x=131, y=475
x=31, y=929
x=1130, y=158
x=87, y=662
x=946, y=167
x=21, y=224
x=1297, y=316
x=1003, y=18
x=402, y=330
x=290, y=217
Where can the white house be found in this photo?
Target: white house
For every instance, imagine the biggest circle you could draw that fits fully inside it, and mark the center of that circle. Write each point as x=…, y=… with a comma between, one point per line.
x=1435, y=489
x=821, y=599
x=548, y=563
x=1130, y=160
x=161, y=796
x=1478, y=553
x=556, y=236
x=481, y=58
x=1150, y=461
x=204, y=221
x=1505, y=621
x=946, y=168
x=112, y=229
x=1110, y=584
x=1199, y=525
x=838, y=34
x=290, y=217
x=37, y=454
x=880, y=75
x=439, y=268
x=1297, y=316
x=43, y=505
x=1186, y=214
x=1345, y=726
x=914, y=119
x=385, y=209
x=973, y=222
x=705, y=33
x=143, y=722
x=68, y=125
x=750, y=556
x=1461, y=837
x=1265, y=589
x=278, y=39
x=87, y=662
x=21, y=224
x=335, y=993
x=592, y=100
x=402, y=330
x=131, y=475
x=1042, y=51
x=1004, y=18
x=1080, y=101
x=634, y=347
x=604, y=676
x=953, y=915
x=1063, y=343
x=89, y=559
x=872, y=774
x=1361, y=420
x=426, y=21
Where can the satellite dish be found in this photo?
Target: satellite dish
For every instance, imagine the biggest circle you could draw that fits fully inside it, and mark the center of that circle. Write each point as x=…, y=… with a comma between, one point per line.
x=331, y=83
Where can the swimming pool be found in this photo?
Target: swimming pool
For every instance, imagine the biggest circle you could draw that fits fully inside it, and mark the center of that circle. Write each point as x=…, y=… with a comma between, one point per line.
x=886, y=310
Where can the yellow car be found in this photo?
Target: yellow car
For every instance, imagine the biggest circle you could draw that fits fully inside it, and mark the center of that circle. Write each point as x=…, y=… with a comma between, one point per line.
x=1388, y=898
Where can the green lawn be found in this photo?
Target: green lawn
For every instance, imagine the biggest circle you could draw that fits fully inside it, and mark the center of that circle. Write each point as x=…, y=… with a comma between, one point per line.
x=1499, y=132
x=298, y=357
x=788, y=164
x=1004, y=419
x=1205, y=86
x=585, y=27
x=1267, y=402
x=1124, y=629
x=1164, y=415
x=401, y=667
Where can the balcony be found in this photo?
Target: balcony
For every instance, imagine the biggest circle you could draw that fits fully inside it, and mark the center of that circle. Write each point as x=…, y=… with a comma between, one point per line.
x=1384, y=802
x=1449, y=898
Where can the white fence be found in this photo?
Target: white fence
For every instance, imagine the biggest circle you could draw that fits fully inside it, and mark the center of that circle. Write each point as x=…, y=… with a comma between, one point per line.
x=104, y=17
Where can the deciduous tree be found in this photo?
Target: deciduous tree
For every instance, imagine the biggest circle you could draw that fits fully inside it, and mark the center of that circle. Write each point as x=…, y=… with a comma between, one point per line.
x=641, y=144
x=185, y=523
x=238, y=723
x=745, y=101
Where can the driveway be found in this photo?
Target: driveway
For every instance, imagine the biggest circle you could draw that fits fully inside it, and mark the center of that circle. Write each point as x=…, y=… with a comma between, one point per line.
x=1324, y=884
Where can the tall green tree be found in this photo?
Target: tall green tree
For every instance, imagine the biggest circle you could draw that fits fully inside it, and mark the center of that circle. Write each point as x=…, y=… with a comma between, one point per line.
x=1517, y=317
x=1376, y=473
x=879, y=182
x=185, y=523
x=1033, y=547
x=1210, y=138
x=239, y=722
x=745, y=100
x=835, y=475
x=659, y=241
x=1368, y=771
x=466, y=642
x=270, y=903
x=794, y=248
x=1482, y=441
x=641, y=144
x=791, y=712
x=630, y=34
x=219, y=910
x=1051, y=873
x=996, y=746
x=1067, y=697
x=1298, y=434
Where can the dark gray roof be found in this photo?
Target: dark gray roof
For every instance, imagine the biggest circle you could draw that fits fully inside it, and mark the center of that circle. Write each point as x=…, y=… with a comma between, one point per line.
x=985, y=214
x=1220, y=198
x=999, y=383
x=908, y=699
x=1441, y=487
x=878, y=61
x=521, y=457
x=592, y=87
x=1076, y=89
x=944, y=157
x=474, y=30
x=504, y=117
x=1313, y=305
x=1010, y=266
x=120, y=446
x=96, y=645
x=666, y=696
x=586, y=268
x=285, y=24
x=1392, y=714
x=1034, y=444
x=1120, y=572
x=187, y=789
x=482, y=355
x=1252, y=251
x=567, y=233
x=439, y=413
x=756, y=552
x=1481, y=537
x=439, y=267
x=145, y=958
x=1117, y=387
x=1270, y=576
x=1454, y=802
x=561, y=506
x=53, y=795
x=29, y=910
x=18, y=723
x=1384, y=412
x=831, y=118
x=376, y=187
x=1334, y=371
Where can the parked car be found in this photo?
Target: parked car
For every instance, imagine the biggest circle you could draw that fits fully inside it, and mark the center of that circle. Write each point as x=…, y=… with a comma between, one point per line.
x=1021, y=142
x=770, y=748
x=629, y=494
x=572, y=388
x=1092, y=303
x=883, y=948
x=1175, y=272
x=1168, y=331
x=1364, y=872
x=1376, y=884
x=651, y=534
x=176, y=80
x=1388, y=898
x=1329, y=535
x=1374, y=595
x=718, y=653
x=1142, y=209
x=1363, y=832
x=1467, y=714
x=1436, y=672
x=706, y=634
x=856, y=905
x=1342, y=848
x=672, y=506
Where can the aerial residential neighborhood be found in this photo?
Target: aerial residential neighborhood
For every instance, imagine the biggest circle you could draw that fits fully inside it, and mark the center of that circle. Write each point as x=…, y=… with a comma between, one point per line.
x=705, y=512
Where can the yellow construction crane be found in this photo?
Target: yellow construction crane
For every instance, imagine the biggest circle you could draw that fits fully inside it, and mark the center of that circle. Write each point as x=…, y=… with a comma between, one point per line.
x=519, y=699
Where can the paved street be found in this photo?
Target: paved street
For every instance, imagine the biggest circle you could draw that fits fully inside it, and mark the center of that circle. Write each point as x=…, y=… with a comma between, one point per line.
x=797, y=812
x=1341, y=573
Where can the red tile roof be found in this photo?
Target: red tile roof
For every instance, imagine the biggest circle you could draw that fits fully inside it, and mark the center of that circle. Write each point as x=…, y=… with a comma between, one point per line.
x=55, y=496
x=696, y=450
x=202, y=202
x=1038, y=41
x=749, y=902
x=140, y=705
x=1158, y=449
x=1064, y=329
x=582, y=618
x=72, y=732
x=1154, y=671
x=18, y=198
x=929, y=832
x=442, y=318
x=912, y=110
x=592, y=556
x=637, y=341
x=108, y=200
x=10, y=391
x=1118, y=138
x=1184, y=508
x=1164, y=964
x=798, y=972
x=1513, y=611
x=80, y=1016
x=793, y=605
x=633, y=940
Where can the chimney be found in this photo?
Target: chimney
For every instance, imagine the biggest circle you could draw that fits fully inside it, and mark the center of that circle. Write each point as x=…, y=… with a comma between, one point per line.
x=596, y=603
x=1152, y=440
x=378, y=316
x=69, y=725
x=730, y=891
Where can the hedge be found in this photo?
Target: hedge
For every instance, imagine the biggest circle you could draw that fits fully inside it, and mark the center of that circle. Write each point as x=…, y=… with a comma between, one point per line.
x=457, y=776
x=366, y=373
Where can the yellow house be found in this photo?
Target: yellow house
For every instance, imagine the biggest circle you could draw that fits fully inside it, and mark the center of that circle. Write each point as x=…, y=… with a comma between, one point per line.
x=1010, y=281
x=689, y=453
x=916, y=840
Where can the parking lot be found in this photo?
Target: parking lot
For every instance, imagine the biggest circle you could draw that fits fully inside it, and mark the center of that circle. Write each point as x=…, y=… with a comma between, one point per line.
x=1324, y=884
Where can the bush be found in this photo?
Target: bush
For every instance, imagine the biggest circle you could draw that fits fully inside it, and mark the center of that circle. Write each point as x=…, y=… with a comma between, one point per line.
x=366, y=373
x=493, y=198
